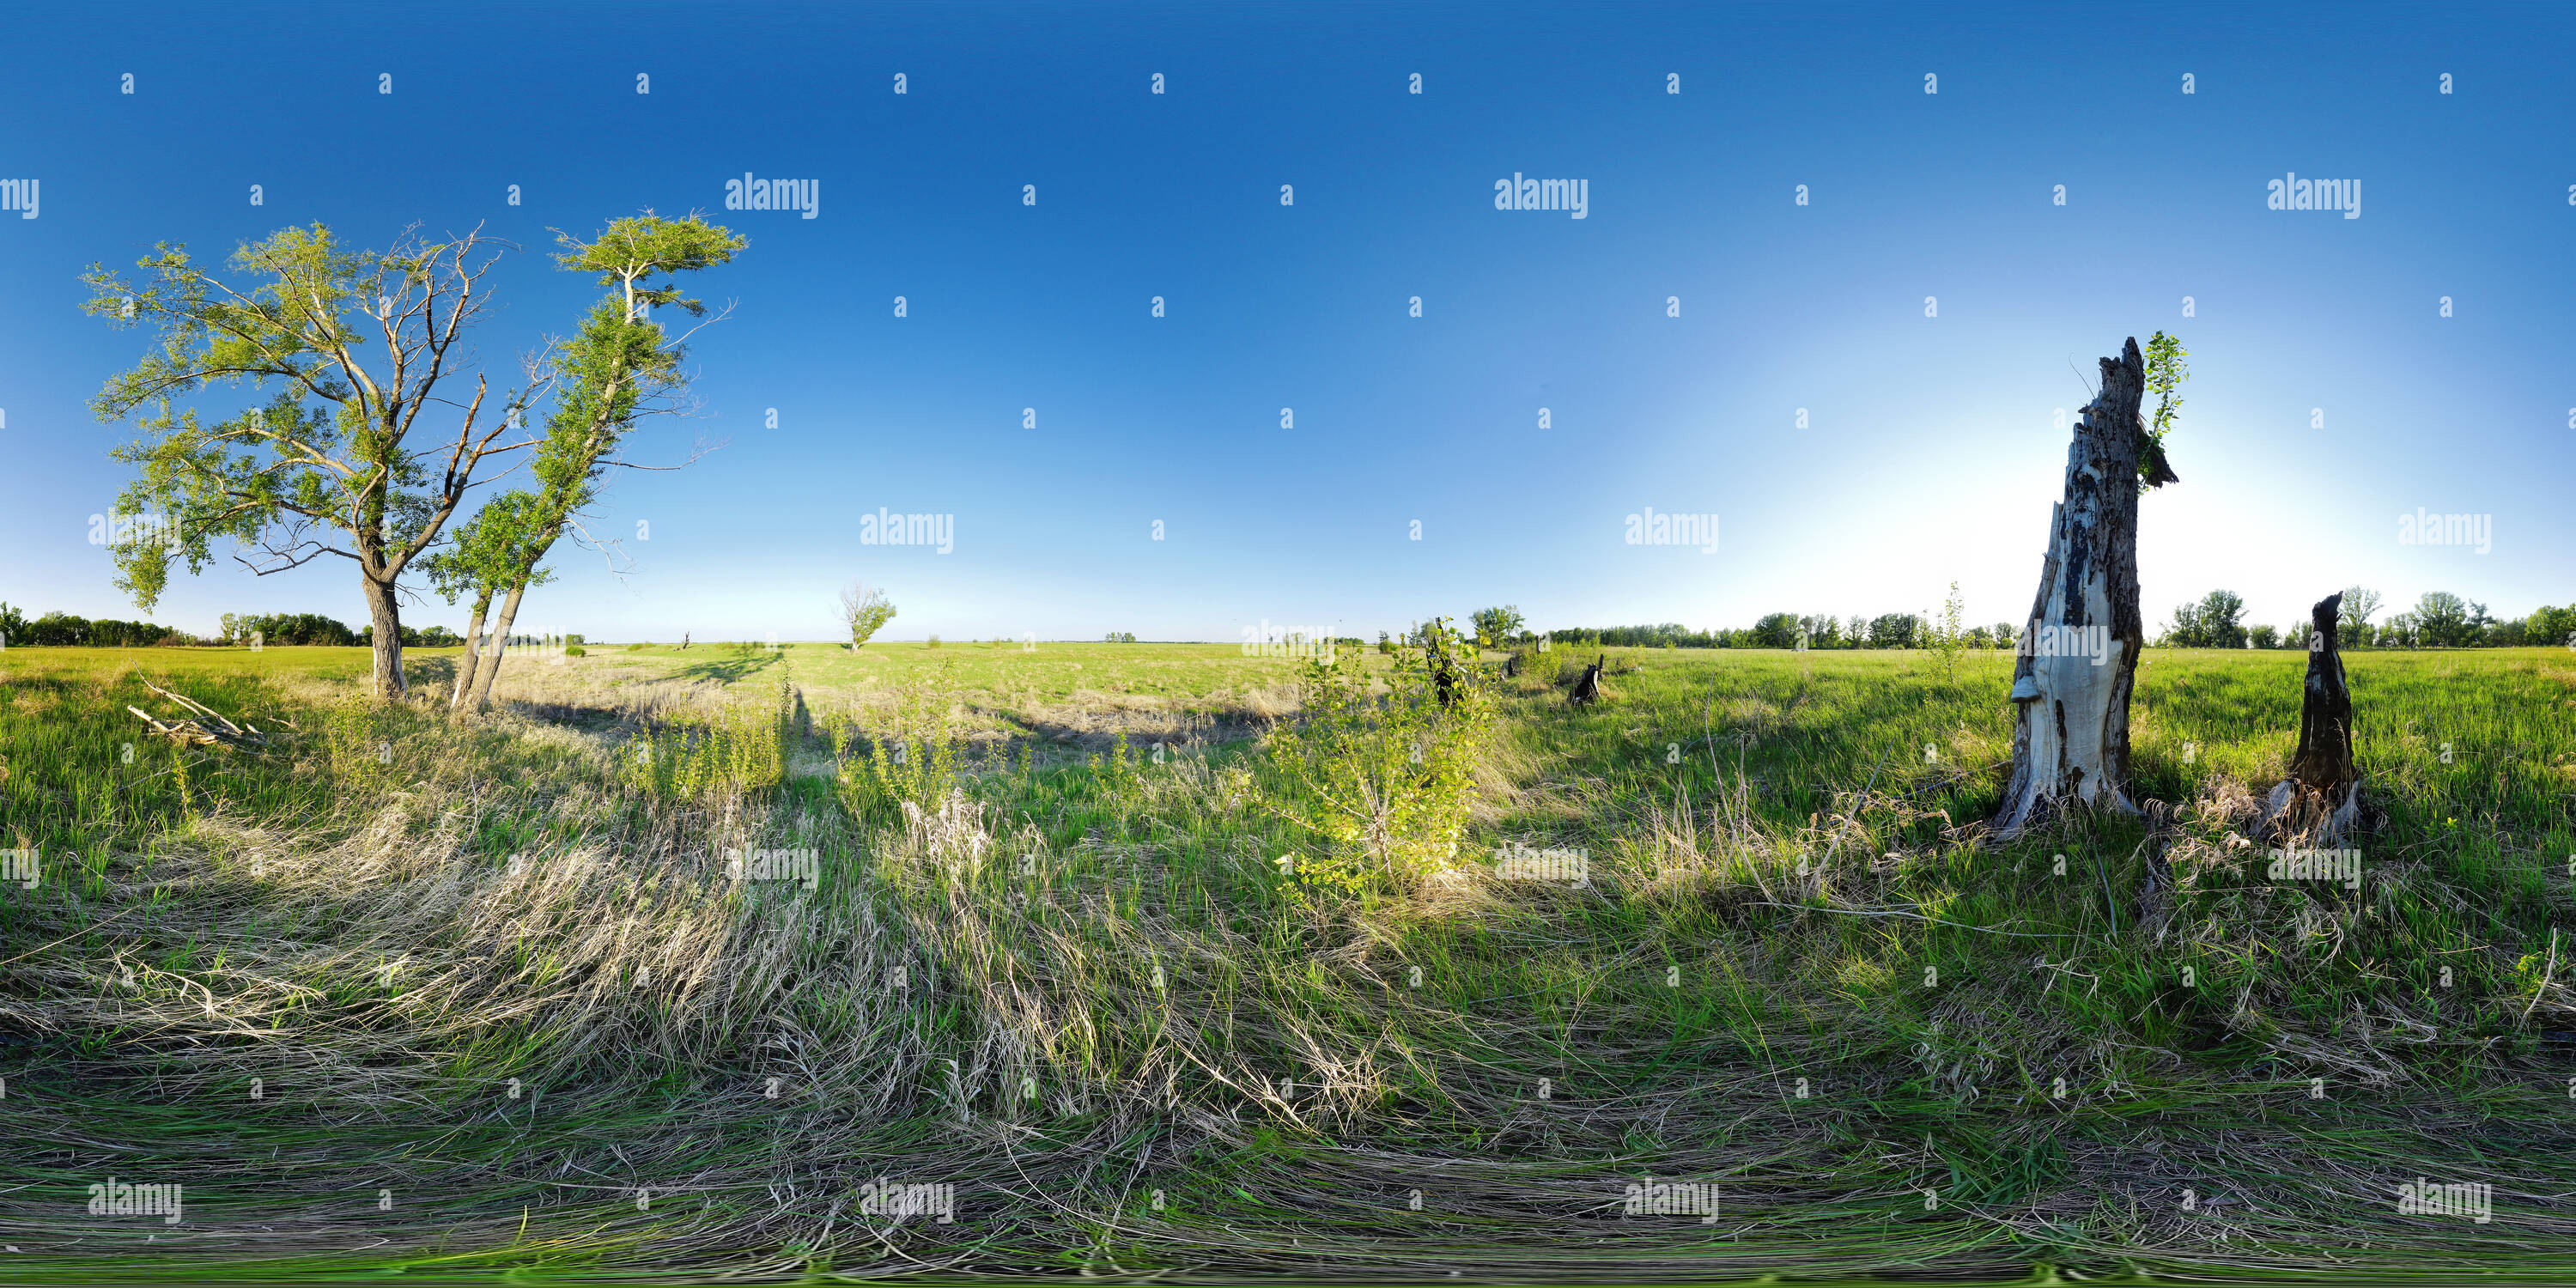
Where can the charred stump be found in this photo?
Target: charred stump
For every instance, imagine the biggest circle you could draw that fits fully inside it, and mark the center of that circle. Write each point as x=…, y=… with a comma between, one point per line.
x=1587, y=690
x=2321, y=799
x=2079, y=655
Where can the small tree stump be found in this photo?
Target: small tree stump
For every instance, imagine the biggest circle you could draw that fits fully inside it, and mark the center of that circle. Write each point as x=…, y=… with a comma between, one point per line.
x=2321, y=799
x=1587, y=690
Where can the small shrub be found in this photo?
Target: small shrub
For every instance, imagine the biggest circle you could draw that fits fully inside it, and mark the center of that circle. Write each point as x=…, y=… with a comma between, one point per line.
x=575, y=650
x=913, y=759
x=1384, y=780
x=743, y=749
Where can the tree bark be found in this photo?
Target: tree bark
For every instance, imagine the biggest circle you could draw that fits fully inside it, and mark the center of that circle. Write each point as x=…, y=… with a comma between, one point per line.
x=500, y=645
x=473, y=651
x=386, y=618
x=2079, y=656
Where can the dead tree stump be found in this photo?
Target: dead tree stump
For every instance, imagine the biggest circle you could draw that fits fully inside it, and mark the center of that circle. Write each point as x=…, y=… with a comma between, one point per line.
x=1587, y=690
x=2320, y=802
x=2079, y=655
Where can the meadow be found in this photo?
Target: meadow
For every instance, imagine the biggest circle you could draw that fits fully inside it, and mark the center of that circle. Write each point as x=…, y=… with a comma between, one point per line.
x=1051, y=927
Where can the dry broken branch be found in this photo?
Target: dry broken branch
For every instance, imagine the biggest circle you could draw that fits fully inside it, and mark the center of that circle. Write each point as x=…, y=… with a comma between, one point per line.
x=214, y=728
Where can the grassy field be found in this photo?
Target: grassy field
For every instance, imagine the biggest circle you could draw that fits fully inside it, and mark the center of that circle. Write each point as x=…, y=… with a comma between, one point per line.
x=483, y=998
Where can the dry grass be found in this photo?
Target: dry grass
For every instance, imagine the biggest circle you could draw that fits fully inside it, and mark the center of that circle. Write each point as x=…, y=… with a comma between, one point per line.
x=1063, y=989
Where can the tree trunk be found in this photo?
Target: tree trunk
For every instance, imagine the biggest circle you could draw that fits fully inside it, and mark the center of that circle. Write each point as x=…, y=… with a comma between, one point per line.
x=500, y=644
x=2079, y=655
x=385, y=616
x=473, y=651
x=2321, y=799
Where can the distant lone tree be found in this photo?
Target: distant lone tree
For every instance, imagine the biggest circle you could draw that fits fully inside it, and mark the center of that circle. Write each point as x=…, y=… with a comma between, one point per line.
x=864, y=611
x=2079, y=655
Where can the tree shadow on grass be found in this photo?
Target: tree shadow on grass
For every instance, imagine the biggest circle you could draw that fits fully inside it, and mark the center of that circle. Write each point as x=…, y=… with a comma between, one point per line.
x=729, y=670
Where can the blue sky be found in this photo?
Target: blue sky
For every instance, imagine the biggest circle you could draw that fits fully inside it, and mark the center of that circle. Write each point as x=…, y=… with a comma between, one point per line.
x=1931, y=451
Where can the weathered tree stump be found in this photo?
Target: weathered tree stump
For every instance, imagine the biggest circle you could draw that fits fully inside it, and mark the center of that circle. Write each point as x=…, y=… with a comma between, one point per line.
x=1587, y=690
x=2079, y=656
x=2320, y=802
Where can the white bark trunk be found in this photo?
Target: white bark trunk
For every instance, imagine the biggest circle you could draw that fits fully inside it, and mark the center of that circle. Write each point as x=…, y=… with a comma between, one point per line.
x=2079, y=654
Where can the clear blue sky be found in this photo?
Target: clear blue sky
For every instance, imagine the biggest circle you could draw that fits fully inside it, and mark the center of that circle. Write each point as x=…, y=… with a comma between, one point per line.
x=1930, y=453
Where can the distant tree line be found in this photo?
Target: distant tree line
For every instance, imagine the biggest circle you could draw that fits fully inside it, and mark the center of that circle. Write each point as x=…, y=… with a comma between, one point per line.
x=2439, y=619
x=1782, y=630
x=64, y=629
x=58, y=630
x=287, y=628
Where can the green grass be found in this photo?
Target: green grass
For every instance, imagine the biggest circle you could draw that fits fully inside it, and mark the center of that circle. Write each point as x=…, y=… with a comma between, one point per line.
x=1096, y=916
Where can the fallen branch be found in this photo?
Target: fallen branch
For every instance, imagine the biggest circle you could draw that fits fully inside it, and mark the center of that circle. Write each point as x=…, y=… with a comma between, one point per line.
x=200, y=733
